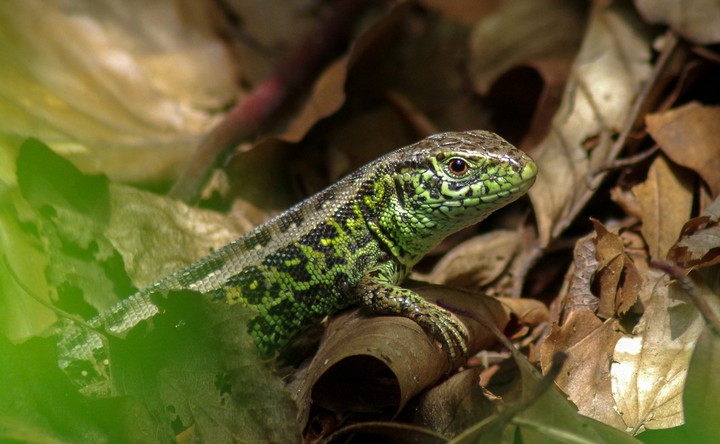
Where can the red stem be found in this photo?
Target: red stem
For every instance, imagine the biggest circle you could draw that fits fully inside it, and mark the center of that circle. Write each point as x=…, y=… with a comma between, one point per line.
x=252, y=113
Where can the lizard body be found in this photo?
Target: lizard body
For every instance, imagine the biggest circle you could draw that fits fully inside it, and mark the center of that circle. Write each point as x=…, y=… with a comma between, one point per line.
x=351, y=244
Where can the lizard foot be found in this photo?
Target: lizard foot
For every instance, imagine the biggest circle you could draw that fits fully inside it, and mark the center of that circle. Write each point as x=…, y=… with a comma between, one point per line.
x=451, y=333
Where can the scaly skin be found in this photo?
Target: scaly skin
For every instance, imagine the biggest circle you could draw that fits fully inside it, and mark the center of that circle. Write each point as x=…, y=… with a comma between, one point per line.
x=352, y=243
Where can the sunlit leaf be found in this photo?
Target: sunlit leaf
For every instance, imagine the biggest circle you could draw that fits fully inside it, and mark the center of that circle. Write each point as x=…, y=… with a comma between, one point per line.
x=650, y=366
x=607, y=74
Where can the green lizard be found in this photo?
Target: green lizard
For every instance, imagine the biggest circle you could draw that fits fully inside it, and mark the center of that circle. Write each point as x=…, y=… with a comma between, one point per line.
x=351, y=244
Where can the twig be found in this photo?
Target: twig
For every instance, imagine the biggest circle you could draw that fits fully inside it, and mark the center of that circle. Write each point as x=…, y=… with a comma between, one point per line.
x=690, y=288
x=629, y=161
x=251, y=114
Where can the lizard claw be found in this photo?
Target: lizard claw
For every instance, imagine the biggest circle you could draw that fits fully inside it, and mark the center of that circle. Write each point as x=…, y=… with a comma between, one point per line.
x=451, y=333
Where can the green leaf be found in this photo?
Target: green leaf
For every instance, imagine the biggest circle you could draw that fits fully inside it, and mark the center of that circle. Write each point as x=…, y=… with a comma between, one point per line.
x=702, y=389
x=47, y=179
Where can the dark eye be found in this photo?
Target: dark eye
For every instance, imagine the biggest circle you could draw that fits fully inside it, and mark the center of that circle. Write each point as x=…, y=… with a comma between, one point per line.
x=458, y=166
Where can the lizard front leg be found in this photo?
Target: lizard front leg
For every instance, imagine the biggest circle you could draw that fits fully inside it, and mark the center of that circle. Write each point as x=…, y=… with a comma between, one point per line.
x=378, y=292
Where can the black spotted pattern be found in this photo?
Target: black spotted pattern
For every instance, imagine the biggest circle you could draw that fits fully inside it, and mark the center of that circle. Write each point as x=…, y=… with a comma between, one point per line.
x=260, y=237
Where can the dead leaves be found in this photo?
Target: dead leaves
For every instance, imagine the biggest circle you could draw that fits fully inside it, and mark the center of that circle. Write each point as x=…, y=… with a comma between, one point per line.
x=612, y=64
x=617, y=280
x=686, y=135
x=665, y=201
x=699, y=242
x=619, y=114
x=650, y=365
x=697, y=20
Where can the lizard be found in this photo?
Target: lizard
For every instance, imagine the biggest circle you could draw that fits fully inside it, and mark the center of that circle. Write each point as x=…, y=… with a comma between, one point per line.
x=350, y=244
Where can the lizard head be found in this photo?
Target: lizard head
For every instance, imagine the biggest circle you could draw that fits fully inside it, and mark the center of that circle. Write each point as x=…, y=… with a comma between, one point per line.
x=452, y=180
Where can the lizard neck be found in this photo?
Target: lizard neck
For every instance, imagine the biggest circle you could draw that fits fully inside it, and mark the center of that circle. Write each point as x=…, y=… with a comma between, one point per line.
x=395, y=227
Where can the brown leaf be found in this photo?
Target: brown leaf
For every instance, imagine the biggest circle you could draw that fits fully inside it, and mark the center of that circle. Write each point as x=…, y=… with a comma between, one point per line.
x=665, y=200
x=541, y=31
x=699, y=243
x=606, y=76
x=617, y=279
x=477, y=261
x=543, y=415
x=463, y=11
x=696, y=20
x=525, y=71
x=390, y=354
x=688, y=135
x=585, y=263
x=327, y=96
x=589, y=344
x=452, y=406
x=527, y=312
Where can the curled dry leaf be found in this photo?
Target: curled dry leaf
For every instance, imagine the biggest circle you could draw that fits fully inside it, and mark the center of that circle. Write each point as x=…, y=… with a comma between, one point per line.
x=454, y=405
x=696, y=20
x=688, y=135
x=526, y=40
x=522, y=33
x=393, y=355
x=585, y=263
x=699, y=243
x=606, y=76
x=617, y=279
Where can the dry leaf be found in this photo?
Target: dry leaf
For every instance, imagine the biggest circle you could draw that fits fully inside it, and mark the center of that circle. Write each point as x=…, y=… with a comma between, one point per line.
x=544, y=416
x=539, y=30
x=452, y=406
x=579, y=294
x=477, y=261
x=617, y=279
x=589, y=344
x=607, y=74
x=527, y=312
x=699, y=243
x=326, y=97
x=463, y=11
x=390, y=353
x=665, y=200
x=696, y=20
x=688, y=135
x=525, y=69
x=649, y=367
x=128, y=97
x=159, y=223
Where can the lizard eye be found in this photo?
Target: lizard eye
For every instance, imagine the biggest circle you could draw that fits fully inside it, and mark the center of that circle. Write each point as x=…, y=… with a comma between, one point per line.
x=457, y=166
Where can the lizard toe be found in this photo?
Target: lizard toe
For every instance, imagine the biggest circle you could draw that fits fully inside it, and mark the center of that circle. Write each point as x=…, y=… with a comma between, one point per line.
x=451, y=333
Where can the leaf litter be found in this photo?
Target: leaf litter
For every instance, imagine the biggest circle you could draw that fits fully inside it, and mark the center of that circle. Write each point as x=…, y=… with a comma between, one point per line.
x=611, y=262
